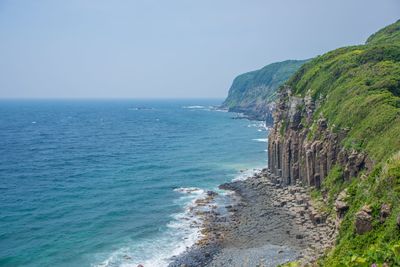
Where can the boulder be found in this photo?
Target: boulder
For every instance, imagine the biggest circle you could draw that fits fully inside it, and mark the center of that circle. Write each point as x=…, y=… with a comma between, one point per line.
x=211, y=193
x=341, y=204
x=364, y=220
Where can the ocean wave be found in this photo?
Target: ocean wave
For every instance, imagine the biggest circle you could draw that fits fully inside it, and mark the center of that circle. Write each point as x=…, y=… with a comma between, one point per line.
x=183, y=231
x=194, y=107
x=259, y=124
x=264, y=140
x=189, y=190
x=245, y=174
x=141, y=108
x=204, y=108
x=220, y=110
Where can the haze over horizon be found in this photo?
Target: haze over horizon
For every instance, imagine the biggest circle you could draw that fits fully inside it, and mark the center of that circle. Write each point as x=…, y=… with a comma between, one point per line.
x=167, y=49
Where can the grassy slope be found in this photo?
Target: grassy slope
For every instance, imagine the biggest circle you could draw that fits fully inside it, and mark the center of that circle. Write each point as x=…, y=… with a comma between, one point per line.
x=358, y=88
x=259, y=87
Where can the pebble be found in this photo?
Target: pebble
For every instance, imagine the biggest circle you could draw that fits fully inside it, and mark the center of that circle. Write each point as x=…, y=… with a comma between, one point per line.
x=269, y=226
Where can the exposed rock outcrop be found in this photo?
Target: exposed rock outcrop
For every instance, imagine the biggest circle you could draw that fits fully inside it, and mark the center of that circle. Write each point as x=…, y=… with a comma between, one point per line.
x=298, y=153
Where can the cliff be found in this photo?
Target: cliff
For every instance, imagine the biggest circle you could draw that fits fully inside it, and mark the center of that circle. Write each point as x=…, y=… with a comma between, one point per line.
x=336, y=128
x=253, y=93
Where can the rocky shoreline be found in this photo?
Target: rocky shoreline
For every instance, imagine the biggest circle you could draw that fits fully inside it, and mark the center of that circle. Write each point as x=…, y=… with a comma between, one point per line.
x=269, y=224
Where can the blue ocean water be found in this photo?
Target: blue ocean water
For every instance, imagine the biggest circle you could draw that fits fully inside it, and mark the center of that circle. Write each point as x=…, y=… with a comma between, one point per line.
x=94, y=183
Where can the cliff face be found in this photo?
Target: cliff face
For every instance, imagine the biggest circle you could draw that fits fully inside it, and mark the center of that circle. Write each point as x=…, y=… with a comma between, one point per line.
x=337, y=128
x=341, y=108
x=296, y=155
x=253, y=93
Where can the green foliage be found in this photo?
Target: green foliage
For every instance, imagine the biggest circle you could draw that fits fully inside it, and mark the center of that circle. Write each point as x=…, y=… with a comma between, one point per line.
x=382, y=244
x=290, y=264
x=251, y=92
x=358, y=88
x=333, y=184
x=388, y=34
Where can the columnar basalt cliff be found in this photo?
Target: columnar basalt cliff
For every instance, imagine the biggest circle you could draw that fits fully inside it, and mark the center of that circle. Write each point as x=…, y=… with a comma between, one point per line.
x=296, y=152
x=336, y=129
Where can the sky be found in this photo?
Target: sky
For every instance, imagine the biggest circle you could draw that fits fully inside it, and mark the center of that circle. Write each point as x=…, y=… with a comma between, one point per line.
x=167, y=49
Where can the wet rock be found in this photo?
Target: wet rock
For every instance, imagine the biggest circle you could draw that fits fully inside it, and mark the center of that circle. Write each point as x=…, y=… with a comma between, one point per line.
x=264, y=214
x=364, y=220
x=211, y=193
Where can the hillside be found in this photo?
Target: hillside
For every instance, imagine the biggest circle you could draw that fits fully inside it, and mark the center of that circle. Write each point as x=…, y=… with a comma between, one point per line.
x=253, y=93
x=336, y=129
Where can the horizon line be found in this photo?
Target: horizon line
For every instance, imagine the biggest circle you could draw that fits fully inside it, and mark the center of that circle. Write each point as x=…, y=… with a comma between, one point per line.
x=111, y=98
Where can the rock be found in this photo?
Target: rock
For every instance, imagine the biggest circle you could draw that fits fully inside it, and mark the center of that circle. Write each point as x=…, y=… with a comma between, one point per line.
x=398, y=220
x=364, y=220
x=211, y=193
x=315, y=217
x=294, y=157
x=341, y=204
x=385, y=212
x=299, y=236
x=139, y=265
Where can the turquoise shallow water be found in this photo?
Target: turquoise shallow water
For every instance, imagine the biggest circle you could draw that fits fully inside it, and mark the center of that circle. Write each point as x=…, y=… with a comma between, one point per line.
x=91, y=183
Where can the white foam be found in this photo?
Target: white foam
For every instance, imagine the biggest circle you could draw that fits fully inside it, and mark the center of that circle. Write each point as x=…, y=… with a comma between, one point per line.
x=259, y=124
x=204, y=108
x=220, y=110
x=194, y=107
x=188, y=190
x=245, y=174
x=183, y=231
x=264, y=140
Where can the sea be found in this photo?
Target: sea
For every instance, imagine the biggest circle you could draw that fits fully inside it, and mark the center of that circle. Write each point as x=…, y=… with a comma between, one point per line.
x=111, y=182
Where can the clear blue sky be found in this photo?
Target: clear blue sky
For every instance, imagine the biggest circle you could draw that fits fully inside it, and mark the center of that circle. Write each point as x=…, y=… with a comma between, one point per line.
x=174, y=48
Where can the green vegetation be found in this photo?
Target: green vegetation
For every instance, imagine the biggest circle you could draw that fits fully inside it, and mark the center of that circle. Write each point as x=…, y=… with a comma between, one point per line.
x=252, y=92
x=388, y=34
x=382, y=244
x=291, y=264
x=357, y=89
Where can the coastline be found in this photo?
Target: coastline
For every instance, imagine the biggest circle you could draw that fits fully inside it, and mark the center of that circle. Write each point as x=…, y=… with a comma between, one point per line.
x=267, y=224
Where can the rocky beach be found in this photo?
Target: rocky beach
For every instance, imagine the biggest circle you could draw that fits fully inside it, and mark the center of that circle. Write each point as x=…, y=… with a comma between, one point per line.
x=268, y=224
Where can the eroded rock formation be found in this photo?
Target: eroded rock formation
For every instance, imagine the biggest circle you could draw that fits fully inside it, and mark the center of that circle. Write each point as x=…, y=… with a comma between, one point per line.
x=298, y=152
